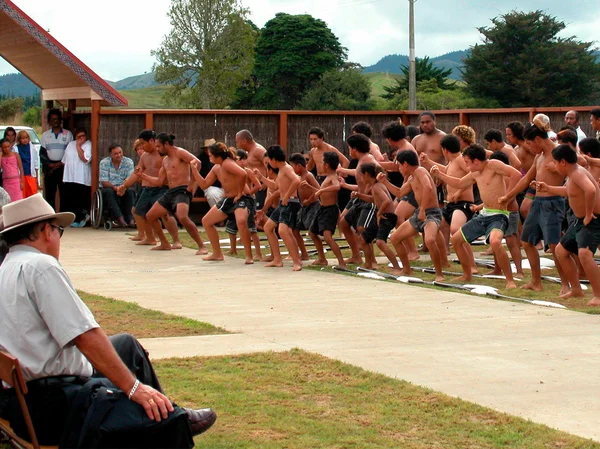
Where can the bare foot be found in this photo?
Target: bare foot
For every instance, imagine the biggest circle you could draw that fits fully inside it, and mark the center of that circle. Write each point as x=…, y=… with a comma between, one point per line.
x=137, y=238
x=406, y=272
x=413, y=256
x=573, y=294
x=166, y=247
x=462, y=278
x=257, y=258
x=495, y=272
x=176, y=245
x=297, y=267
x=533, y=286
x=488, y=252
x=274, y=264
x=354, y=260
x=564, y=289
x=304, y=256
x=322, y=262
x=249, y=261
x=342, y=265
x=369, y=266
x=594, y=302
x=147, y=242
x=519, y=274
x=213, y=257
x=397, y=272
x=511, y=284
x=439, y=278
x=267, y=259
x=231, y=252
x=202, y=251
x=474, y=270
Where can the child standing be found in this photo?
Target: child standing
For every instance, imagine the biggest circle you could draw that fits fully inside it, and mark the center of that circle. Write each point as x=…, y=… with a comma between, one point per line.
x=13, y=180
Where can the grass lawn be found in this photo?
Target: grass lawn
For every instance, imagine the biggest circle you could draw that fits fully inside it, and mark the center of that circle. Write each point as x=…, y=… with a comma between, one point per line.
x=302, y=400
x=120, y=316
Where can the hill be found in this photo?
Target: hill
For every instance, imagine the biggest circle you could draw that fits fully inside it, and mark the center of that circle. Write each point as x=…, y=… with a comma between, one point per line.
x=391, y=63
x=146, y=98
x=135, y=82
x=17, y=85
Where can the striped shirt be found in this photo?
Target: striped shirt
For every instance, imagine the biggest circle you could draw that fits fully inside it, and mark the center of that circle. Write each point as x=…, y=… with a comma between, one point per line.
x=55, y=144
x=116, y=176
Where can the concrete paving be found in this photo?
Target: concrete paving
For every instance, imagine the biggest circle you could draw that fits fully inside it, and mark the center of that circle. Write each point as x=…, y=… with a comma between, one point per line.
x=538, y=363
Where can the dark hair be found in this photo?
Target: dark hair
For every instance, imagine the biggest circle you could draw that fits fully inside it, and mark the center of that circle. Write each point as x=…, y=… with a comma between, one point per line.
x=9, y=128
x=500, y=156
x=54, y=111
x=317, y=132
x=370, y=169
x=4, y=139
x=78, y=130
x=276, y=153
x=242, y=154
x=298, y=158
x=412, y=131
x=517, y=129
x=332, y=159
x=218, y=149
x=273, y=169
x=450, y=143
x=147, y=134
x=493, y=134
x=22, y=233
x=408, y=156
x=591, y=146
x=576, y=114
x=568, y=136
x=429, y=113
x=165, y=138
x=596, y=113
x=394, y=131
x=475, y=151
x=113, y=146
x=359, y=142
x=564, y=153
x=538, y=129
x=363, y=128
x=572, y=128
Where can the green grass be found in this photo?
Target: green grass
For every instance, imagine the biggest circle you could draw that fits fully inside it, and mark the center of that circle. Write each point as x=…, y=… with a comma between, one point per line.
x=120, y=316
x=146, y=98
x=302, y=400
x=379, y=80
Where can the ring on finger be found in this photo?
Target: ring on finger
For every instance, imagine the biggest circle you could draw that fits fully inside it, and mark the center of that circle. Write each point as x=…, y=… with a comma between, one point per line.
x=151, y=401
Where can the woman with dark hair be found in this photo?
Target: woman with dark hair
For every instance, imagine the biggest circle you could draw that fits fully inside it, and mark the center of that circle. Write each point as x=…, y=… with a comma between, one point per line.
x=77, y=178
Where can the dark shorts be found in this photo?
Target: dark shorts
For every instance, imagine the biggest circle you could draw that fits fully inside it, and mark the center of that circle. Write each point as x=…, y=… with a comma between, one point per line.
x=360, y=215
x=433, y=214
x=325, y=219
x=441, y=193
x=245, y=202
x=148, y=196
x=350, y=204
x=579, y=236
x=261, y=197
x=544, y=221
x=381, y=231
x=321, y=178
x=288, y=215
x=483, y=224
x=513, y=224
x=173, y=197
x=410, y=198
x=306, y=216
x=463, y=206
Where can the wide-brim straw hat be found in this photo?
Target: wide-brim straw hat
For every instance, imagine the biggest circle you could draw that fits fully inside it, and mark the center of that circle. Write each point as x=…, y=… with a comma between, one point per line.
x=31, y=210
x=209, y=142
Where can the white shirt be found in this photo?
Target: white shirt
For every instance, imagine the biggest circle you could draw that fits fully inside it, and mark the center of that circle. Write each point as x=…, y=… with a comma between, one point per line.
x=41, y=315
x=75, y=169
x=580, y=134
x=55, y=144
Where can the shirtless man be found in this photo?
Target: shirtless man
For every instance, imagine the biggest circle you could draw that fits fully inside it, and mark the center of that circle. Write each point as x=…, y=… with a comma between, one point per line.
x=583, y=236
x=367, y=130
x=590, y=149
x=175, y=171
x=428, y=141
x=318, y=148
x=244, y=140
x=306, y=194
x=493, y=220
x=357, y=211
x=545, y=218
x=427, y=216
x=150, y=163
x=494, y=141
x=514, y=136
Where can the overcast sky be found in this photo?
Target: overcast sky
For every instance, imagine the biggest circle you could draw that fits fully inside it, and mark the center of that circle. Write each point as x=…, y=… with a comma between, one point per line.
x=114, y=37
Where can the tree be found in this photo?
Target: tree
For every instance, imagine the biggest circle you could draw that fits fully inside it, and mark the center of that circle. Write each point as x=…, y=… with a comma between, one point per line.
x=292, y=53
x=33, y=116
x=208, y=53
x=346, y=89
x=523, y=62
x=425, y=71
x=9, y=108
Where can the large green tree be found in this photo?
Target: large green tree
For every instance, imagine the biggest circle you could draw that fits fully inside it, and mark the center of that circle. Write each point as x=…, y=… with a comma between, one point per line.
x=425, y=71
x=344, y=89
x=292, y=53
x=208, y=54
x=523, y=62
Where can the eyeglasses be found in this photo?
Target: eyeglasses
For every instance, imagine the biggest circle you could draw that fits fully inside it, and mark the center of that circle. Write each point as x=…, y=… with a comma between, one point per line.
x=61, y=230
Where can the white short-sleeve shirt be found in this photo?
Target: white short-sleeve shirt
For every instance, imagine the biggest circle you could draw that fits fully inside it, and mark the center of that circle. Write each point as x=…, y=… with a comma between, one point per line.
x=41, y=315
x=75, y=169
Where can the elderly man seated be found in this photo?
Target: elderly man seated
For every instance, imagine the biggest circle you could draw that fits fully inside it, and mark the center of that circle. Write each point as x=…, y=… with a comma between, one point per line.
x=114, y=170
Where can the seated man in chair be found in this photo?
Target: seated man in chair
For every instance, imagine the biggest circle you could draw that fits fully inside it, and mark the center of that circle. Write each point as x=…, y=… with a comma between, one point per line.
x=74, y=372
x=114, y=170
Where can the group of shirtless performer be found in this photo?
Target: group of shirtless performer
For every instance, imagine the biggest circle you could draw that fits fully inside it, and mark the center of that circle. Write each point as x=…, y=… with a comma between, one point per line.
x=444, y=186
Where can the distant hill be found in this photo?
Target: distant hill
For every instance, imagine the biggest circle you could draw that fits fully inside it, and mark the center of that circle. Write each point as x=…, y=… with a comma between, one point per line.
x=17, y=85
x=135, y=82
x=391, y=63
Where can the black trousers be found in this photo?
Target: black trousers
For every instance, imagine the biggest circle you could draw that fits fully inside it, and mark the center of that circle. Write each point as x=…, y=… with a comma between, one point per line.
x=76, y=198
x=119, y=206
x=53, y=182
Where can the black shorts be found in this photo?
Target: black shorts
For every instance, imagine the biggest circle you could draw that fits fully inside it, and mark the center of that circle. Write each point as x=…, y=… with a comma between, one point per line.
x=441, y=193
x=410, y=198
x=261, y=197
x=287, y=215
x=463, y=206
x=245, y=202
x=228, y=205
x=381, y=231
x=175, y=196
x=544, y=221
x=148, y=196
x=433, y=214
x=306, y=216
x=579, y=236
x=484, y=224
x=360, y=215
x=325, y=219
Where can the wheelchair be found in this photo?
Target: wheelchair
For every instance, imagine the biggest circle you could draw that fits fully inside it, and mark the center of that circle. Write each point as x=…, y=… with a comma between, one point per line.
x=99, y=213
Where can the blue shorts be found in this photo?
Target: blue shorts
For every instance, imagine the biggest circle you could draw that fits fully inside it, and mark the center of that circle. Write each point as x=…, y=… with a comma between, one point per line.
x=484, y=224
x=544, y=221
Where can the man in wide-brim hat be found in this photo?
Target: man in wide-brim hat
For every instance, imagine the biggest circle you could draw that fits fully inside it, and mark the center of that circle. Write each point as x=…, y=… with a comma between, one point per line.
x=58, y=342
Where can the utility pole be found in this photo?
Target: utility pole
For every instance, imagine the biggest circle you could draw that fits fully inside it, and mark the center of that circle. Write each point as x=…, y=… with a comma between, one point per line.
x=412, y=69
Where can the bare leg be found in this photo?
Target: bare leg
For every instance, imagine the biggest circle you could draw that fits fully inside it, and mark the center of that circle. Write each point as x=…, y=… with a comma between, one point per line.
x=593, y=273
x=460, y=246
x=368, y=250
x=404, y=232
x=385, y=249
x=569, y=270
x=534, y=262
x=183, y=217
x=515, y=251
x=269, y=228
x=146, y=231
x=290, y=242
x=171, y=226
x=256, y=242
x=140, y=226
x=320, y=260
x=241, y=218
x=232, y=243
x=153, y=216
x=301, y=246
x=352, y=241
x=502, y=258
x=446, y=231
x=430, y=238
x=404, y=211
x=525, y=207
x=209, y=221
x=565, y=285
x=328, y=236
x=441, y=243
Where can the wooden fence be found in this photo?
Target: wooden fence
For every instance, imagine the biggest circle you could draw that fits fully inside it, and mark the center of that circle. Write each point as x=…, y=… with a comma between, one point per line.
x=290, y=128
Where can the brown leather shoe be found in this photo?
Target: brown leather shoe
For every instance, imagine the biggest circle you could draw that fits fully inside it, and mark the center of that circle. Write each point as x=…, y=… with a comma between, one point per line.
x=200, y=420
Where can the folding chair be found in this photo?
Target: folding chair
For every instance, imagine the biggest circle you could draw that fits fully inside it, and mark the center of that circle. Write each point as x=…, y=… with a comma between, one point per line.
x=10, y=373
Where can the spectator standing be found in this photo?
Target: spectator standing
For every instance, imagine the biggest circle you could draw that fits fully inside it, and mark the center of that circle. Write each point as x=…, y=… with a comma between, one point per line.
x=12, y=171
x=114, y=170
x=31, y=163
x=77, y=178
